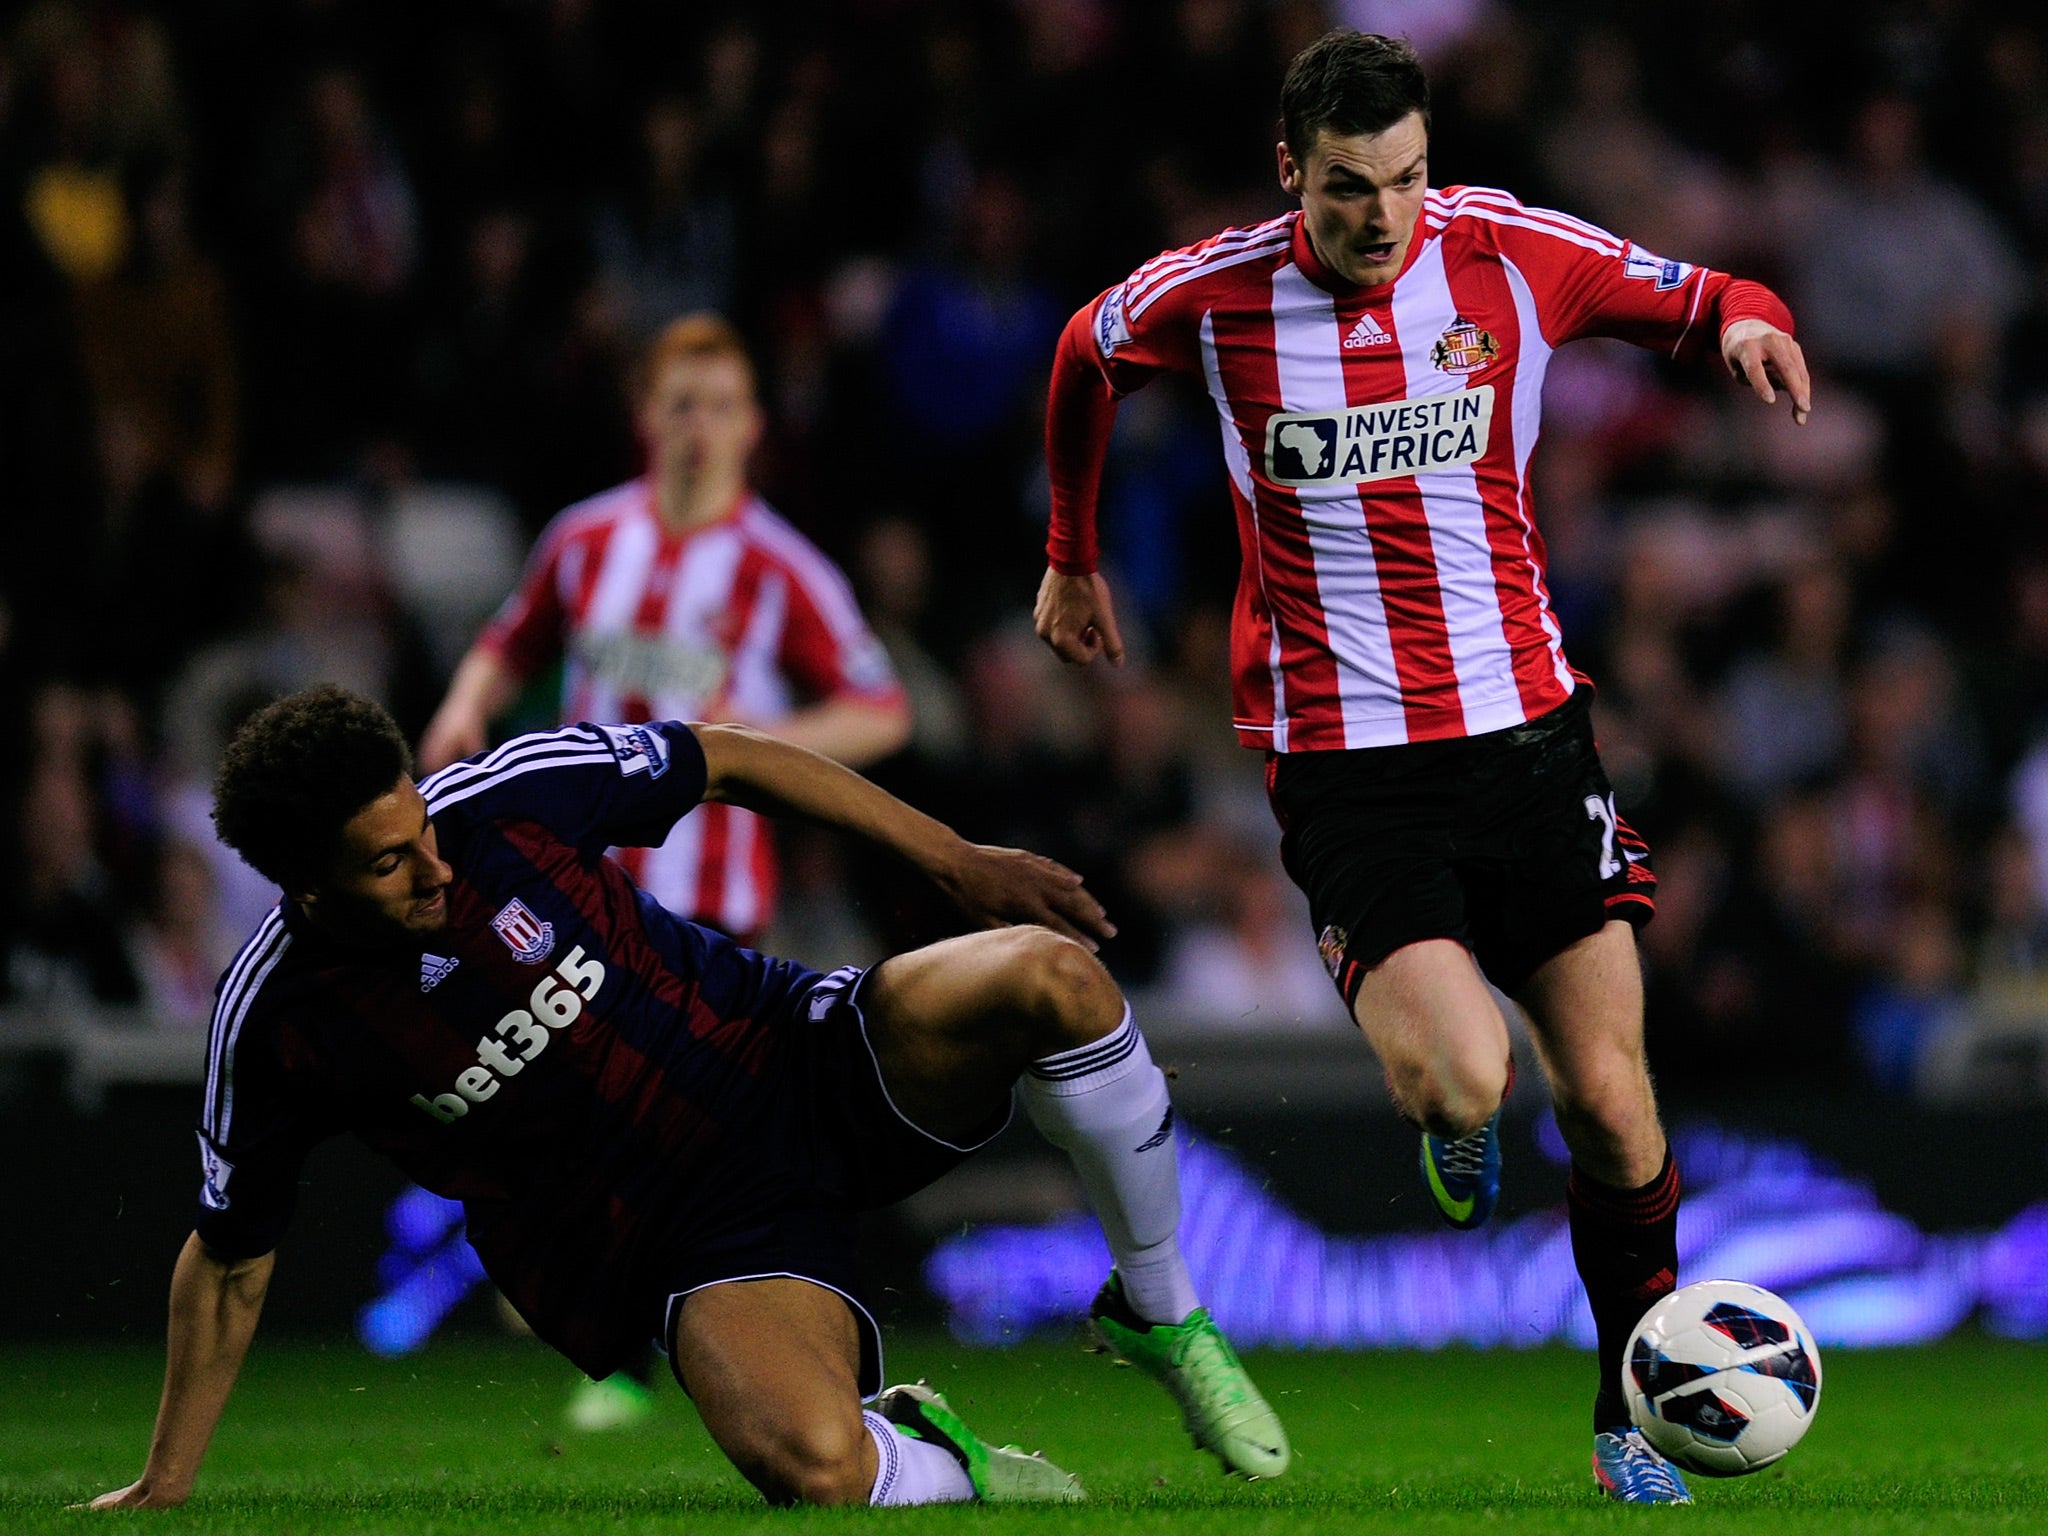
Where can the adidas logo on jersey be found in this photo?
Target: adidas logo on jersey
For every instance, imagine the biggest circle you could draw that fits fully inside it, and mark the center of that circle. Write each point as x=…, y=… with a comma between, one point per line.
x=434, y=970
x=1368, y=333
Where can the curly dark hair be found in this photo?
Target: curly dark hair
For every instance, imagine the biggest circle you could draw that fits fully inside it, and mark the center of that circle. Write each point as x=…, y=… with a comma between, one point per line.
x=296, y=772
x=1350, y=82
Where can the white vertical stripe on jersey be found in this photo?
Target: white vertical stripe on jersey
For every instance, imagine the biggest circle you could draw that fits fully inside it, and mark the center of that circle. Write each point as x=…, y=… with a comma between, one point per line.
x=743, y=892
x=756, y=687
x=1308, y=354
x=1463, y=553
x=699, y=593
x=614, y=601
x=830, y=592
x=760, y=691
x=1239, y=465
x=1532, y=360
x=669, y=873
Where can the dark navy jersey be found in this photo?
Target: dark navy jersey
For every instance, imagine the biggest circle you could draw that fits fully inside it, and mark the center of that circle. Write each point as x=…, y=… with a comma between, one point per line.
x=577, y=1065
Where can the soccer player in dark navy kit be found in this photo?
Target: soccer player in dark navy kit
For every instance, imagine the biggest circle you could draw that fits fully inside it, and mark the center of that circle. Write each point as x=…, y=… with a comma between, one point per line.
x=655, y=1132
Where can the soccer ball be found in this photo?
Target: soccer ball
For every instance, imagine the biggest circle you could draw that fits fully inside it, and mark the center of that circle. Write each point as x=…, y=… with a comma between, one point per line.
x=1722, y=1377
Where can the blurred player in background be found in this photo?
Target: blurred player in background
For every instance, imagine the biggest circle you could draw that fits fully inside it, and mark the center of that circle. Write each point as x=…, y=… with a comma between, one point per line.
x=683, y=596
x=655, y=1132
x=1377, y=362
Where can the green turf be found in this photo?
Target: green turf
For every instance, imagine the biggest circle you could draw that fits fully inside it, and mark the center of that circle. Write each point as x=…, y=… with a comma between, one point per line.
x=464, y=1438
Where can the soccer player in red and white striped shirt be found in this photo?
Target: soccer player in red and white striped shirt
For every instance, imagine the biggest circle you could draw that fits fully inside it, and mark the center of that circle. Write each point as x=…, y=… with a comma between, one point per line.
x=683, y=596
x=1376, y=361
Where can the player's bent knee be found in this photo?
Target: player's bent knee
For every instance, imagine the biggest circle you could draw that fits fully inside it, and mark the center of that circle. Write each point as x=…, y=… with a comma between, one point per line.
x=1063, y=988
x=819, y=1462
x=1448, y=1098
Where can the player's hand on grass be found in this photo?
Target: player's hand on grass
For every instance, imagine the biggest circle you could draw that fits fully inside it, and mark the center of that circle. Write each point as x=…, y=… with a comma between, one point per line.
x=1005, y=886
x=1769, y=360
x=1074, y=616
x=137, y=1495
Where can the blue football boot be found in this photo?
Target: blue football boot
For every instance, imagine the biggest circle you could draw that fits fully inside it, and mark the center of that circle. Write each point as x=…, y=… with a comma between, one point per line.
x=1464, y=1175
x=1629, y=1471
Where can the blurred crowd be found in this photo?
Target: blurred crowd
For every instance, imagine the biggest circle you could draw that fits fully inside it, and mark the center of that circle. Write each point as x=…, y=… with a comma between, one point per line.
x=284, y=282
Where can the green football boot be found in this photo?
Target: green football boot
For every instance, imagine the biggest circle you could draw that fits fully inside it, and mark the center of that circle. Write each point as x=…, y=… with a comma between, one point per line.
x=1223, y=1411
x=1001, y=1474
x=1463, y=1176
x=617, y=1402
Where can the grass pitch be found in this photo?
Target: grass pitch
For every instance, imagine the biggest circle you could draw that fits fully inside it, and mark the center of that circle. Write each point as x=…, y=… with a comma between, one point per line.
x=465, y=1437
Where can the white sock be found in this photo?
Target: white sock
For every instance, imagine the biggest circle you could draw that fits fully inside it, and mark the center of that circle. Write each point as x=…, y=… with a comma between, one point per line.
x=1105, y=1105
x=911, y=1471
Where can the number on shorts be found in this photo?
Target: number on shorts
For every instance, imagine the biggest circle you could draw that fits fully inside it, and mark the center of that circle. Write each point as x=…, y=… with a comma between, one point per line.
x=1600, y=808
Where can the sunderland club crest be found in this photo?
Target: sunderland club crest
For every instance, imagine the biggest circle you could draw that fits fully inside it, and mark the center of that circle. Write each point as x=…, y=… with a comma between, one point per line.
x=1464, y=348
x=529, y=939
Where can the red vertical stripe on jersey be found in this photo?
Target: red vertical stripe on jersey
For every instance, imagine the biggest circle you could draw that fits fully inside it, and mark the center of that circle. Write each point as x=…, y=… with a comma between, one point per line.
x=767, y=875
x=1251, y=378
x=1482, y=288
x=1251, y=626
x=1401, y=550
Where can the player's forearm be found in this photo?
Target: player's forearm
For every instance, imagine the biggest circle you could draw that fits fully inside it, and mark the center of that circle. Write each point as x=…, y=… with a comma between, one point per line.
x=1080, y=412
x=855, y=732
x=215, y=1303
x=484, y=685
x=754, y=770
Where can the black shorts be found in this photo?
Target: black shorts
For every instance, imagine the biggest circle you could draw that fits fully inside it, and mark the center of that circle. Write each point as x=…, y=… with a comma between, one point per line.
x=1507, y=842
x=842, y=1148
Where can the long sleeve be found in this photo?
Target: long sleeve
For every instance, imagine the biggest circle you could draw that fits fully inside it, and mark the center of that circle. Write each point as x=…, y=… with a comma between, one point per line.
x=1079, y=415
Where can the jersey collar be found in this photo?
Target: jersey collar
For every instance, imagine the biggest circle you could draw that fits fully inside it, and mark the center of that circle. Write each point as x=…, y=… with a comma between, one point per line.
x=652, y=512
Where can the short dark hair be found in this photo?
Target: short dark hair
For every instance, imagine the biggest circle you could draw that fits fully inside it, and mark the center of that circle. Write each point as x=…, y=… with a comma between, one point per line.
x=296, y=772
x=1350, y=82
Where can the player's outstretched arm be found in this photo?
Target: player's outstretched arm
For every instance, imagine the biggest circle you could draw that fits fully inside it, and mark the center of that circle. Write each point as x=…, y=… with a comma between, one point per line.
x=214, y=1306
x=1769, y=360
x=995, y=886
x=484, y=684
x=853, y=731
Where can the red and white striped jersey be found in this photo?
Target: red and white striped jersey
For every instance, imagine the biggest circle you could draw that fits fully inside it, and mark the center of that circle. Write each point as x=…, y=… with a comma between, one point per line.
x=742, y=618
x=1378, y=443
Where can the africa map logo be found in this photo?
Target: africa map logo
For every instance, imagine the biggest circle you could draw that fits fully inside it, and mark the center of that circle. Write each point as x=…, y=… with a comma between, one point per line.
x=1312, y=441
